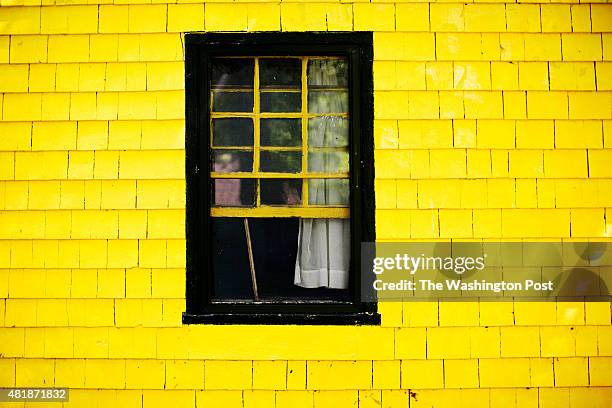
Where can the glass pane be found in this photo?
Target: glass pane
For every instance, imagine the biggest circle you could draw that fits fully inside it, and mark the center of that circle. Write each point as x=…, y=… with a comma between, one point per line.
x=280, y=73
x=232, y=132
x=230, y=260
x=280, y=162
x=328, y=192
x=232, y=72
x=229, y=161
x=281, y=102
x=327, y=101
x=234, y=192
x=328, y=131
x=328, y=161
x=331, y=73
x=232, y=101
x=281, y=132
x=281, y=191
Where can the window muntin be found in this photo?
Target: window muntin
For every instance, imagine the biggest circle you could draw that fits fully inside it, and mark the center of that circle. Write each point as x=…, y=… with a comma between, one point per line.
x=293, y=138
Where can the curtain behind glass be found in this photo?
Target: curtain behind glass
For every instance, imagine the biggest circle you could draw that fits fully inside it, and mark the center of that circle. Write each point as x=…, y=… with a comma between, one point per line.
x=324, y=244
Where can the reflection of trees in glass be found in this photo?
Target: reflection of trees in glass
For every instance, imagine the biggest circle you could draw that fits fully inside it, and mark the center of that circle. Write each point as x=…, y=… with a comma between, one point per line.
x=280, y=73
x=281, y=162
x=281, y=132
x=232, y=72
x=233, y=101
x=232, y=132
x=281, y=101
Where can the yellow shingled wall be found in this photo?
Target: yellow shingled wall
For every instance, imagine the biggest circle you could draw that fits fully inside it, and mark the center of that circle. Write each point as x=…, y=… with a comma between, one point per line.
x=492, y=120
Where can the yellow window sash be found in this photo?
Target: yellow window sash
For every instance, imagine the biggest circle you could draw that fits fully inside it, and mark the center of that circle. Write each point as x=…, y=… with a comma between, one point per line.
x=265, y=175
x=305, y=210
x=270, y=211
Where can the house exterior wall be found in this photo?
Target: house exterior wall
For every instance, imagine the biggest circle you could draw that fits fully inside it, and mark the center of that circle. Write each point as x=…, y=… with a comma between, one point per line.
x=492, y=120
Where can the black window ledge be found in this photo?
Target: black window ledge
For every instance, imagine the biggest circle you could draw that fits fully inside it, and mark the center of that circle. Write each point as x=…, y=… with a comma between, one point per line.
x=361, y=318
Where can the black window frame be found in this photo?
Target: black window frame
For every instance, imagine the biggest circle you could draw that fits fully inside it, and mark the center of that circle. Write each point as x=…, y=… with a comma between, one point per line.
x=199, y=49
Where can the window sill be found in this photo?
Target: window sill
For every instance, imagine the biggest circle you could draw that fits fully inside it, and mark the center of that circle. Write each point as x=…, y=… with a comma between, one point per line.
x=344, y=319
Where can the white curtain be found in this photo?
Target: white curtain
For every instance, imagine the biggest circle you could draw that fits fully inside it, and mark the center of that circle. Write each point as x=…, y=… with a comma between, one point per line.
x=323, y=253
x=324, y=244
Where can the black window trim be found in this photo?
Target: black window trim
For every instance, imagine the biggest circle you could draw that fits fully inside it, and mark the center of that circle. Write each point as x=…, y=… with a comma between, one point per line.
x=200, y=47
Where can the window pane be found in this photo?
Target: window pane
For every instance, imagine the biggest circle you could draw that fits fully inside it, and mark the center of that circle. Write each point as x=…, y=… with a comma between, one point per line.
x=281, y=132
x=282, y=270
x=281, y=102
x=328, y=192
x=234, y=192
x=280, y=162
x=331, y=73
x=232, y=132
x=232, y=72
x=229, y=161
x=232, y=101
x=280, y=73
x=328, y=162
x=281, y=191
x=328, y=131
x=327, y=101
x=230, y=261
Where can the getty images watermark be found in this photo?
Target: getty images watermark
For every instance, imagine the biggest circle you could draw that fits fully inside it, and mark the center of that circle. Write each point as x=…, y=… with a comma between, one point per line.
x=459, y=265
x=488, y=270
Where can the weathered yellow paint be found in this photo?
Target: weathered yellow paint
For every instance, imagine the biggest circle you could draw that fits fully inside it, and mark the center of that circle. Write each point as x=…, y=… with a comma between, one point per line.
x=265, y=211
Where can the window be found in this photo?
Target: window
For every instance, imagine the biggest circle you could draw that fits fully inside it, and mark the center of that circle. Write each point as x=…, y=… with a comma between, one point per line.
x=279, y=175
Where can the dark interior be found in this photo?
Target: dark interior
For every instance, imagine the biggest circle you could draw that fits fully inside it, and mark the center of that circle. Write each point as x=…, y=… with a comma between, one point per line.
x=274, y=244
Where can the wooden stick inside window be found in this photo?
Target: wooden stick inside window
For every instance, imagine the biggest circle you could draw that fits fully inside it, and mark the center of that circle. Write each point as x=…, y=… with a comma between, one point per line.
x=251, y=263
